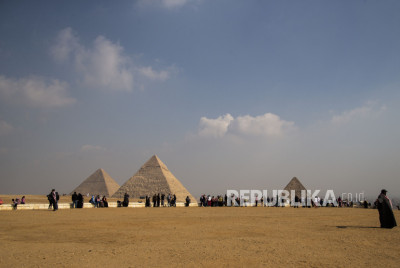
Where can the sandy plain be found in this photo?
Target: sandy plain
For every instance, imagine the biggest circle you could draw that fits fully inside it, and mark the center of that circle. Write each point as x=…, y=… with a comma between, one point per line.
x=197, y=237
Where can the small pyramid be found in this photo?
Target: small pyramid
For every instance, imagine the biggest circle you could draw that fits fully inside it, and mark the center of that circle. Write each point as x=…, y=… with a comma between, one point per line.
x=99, y=183
x=153, y=178
x=296, y=185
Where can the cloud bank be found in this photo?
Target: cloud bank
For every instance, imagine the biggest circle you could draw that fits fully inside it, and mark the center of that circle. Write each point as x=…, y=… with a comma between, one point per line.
x=369, y=110
x=103, y=65
x=266, y=125
x=35, y=91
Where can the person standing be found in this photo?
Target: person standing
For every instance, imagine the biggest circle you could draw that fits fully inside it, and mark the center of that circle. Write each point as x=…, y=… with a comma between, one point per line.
x=74, y=200
x=105, y=202
x=126, y=200
x=162, y=200
x=14, y=204
x=80, y=201
x=54, y=197
x=158, y=200
x=386, y=216
x=154, y=200
x=50, y=201
x=174, y=200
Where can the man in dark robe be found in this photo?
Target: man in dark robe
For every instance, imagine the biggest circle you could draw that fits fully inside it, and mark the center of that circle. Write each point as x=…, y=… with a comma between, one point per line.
x=384, y=206
x=80, y=201
x=74, y=200
x=126, y=200
x=154, y=200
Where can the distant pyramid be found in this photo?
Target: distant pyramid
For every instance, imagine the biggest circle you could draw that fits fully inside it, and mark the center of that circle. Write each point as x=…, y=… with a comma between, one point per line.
x=153, y=178
x=99, y=183
x=296, y=185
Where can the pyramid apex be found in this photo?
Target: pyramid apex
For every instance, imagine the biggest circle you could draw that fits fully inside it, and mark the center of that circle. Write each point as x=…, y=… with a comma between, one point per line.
x=99, y=182
x=155, y=159
x=155, y=156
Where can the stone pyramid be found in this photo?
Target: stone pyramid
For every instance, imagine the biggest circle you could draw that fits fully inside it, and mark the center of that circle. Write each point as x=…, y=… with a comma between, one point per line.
x=296, y=185
x=153, y=178
x=99, y=183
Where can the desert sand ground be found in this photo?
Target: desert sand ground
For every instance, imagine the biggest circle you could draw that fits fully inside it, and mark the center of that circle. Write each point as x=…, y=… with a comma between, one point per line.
x=192, y=237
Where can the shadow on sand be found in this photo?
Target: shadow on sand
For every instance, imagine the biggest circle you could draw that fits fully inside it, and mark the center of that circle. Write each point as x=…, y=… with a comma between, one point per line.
x=361, y=227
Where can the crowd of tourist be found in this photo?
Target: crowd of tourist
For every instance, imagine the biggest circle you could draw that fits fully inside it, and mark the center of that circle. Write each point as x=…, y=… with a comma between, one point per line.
x=162, y=200
x=236, y=201
x=158, y=200
x=213, y=201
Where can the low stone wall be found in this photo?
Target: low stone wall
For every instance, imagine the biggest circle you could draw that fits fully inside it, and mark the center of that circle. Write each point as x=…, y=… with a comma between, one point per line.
x=85, y=205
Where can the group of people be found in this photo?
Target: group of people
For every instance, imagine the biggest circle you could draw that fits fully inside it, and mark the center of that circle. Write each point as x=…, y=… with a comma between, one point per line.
x=77, y=200
x=159, y=200
x=98, y=202
x=15, y=202
x=53, y=198
x=125, y=202
x=213, y=201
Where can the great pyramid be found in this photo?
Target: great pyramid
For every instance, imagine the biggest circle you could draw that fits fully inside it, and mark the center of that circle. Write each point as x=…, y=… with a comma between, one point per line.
x=99, y=183
x=296, y=185
x=153, y=178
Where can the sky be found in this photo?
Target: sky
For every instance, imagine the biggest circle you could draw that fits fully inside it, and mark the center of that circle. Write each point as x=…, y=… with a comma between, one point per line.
x=228, y=94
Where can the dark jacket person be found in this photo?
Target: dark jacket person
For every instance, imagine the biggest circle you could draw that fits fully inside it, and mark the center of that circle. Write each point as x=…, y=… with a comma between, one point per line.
x=384, y=206
x=126, y=200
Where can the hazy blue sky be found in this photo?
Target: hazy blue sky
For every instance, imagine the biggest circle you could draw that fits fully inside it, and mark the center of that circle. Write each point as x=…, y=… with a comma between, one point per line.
x=229, y=94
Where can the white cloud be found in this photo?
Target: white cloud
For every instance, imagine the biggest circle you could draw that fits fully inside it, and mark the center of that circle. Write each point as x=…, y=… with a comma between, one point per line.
x=214, y=127
x=366, y=111
x=35, y=91
x=5, y=128
x=104, y=65
x=92, y=148
x=267, y=125
x=67, y=43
